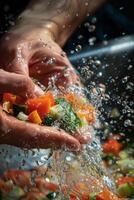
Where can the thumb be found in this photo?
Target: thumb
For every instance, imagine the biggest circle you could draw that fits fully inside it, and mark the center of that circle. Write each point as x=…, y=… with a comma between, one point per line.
x=18, y=84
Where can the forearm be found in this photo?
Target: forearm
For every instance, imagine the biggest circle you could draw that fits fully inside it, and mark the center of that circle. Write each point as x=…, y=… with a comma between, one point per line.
x=60, y=17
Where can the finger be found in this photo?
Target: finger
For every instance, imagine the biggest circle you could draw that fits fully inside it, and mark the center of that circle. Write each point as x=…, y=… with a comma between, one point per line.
x=28, y=135
x=83, y=139
x=17, y=84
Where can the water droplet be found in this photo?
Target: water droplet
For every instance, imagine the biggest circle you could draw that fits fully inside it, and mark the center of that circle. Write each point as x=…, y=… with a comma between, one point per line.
x=127, y=122
x=78, y=48
x=91, y=28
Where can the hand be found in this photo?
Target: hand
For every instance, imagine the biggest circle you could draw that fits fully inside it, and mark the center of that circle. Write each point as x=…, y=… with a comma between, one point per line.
x=26, y=53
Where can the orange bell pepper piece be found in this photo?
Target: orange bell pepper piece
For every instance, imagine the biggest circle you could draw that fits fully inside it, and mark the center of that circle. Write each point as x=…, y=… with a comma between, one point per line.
x=41, y=104
x=112, y=146
x=125, y=179
x=34, y=117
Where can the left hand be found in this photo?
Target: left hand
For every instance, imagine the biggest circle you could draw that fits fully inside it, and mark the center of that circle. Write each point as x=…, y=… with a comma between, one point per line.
x=34, y=53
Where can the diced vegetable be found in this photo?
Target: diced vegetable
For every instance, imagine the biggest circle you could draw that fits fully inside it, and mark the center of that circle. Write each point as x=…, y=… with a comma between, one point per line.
x=125, y=179
x=4, y=188
x=112, y=146
x=123, y=154
x=9, y=97
x=22, y=116
x=34, y=117
x=93, y=196
x=126, y=190
x=35, y=196
x=41, y=104
x=126, y=164
x=57, y=111
x=43, y=185
x=19, y=108
x=19, y=177
x=106, y=195
x=48, y=121
x=15, y=194
x=82, y=107
x=69, y=120
x=131, y=172
x=72, y=197
x=7, y=106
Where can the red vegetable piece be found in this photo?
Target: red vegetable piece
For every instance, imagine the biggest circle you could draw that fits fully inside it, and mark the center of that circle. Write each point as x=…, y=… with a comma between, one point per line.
x=34, y=196
x=19, y=177
x=112, y=146
x=4, y=188
x=43, y=185
x=41, y=104
x=123, y=180
x=9, y=97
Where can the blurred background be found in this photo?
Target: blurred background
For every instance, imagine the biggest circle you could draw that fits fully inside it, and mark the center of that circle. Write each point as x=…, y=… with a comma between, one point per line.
x=105, y=64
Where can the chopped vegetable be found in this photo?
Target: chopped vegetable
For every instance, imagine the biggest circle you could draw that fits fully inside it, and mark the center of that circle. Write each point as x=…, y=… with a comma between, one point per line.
x=15, y=194
x=48, y=121
x=34, y=117
x=126, y=164
x=35, y=196
x=43, y=185
x=19, y=108
x=112, y=146
x=7, y=106
x=106, y=195
x=69, y=120
x=4, y=188
x=81, y=105
x=125, y=179
x=126, y=190
x=19, y=177
x=9, y=97
x=123, y=154
x=22, y=116
x=93, y=196
x=41, y=104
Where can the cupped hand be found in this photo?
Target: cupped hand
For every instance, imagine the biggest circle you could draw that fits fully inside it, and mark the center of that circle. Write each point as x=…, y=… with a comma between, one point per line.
x=25, y=54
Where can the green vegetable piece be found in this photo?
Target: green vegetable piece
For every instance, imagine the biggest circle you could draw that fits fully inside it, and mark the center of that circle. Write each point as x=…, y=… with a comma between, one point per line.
x=93, y=196
x=83, y=122
x=123, y=154
x=48, y=121
x=126, y=190
x=57, y=111
x=19, y=108
x=15, y=194
x=131, y=172
x=126, y=164
x=69, y=120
